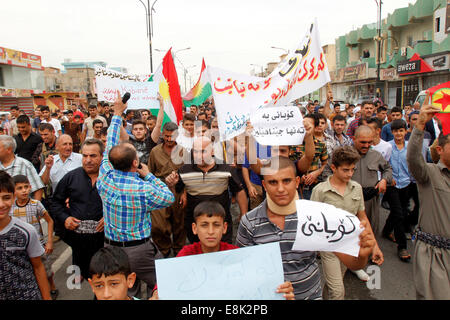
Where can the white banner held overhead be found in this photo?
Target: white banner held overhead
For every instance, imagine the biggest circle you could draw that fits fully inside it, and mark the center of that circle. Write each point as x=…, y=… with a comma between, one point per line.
x=237, y=96
x=278, y=126
x=323, y=227
x=143, y=94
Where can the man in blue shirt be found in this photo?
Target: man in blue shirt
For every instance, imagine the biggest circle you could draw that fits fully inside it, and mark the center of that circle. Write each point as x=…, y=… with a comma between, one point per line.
x=386, y=132
x=398, y=195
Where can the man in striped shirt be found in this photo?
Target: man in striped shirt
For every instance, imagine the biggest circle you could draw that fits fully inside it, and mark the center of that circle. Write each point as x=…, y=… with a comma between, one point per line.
x=275, y=220
x=129, y=193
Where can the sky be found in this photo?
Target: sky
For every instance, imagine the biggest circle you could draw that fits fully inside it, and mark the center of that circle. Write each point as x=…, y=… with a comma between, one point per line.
x=231, y=34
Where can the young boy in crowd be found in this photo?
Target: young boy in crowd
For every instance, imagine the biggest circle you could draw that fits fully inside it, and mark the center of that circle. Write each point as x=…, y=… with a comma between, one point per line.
x=209, y=225
x=398, y=196
x=110, y=276
x=32, y=211
x=342, y=192
x=22, y=273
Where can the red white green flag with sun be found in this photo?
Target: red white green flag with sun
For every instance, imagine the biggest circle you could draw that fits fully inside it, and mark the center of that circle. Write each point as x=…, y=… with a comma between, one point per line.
x=440, y=97
x=200, y=92
x=169, y=88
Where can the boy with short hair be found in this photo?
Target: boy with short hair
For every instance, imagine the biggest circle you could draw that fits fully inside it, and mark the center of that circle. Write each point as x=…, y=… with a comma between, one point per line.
x=398, y=195
x=22, y=274
x=342, y=192
x=110, y=276
x=210, y=225
x=185, y=136
x=32, y=211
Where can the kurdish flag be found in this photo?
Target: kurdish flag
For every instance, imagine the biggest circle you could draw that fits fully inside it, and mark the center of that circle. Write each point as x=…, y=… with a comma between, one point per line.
x=200, y=92
x=440, y=97
x=169, y=88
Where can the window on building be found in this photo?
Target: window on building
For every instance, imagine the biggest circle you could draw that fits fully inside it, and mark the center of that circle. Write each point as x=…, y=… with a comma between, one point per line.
x=438, y=24
x=410, y=41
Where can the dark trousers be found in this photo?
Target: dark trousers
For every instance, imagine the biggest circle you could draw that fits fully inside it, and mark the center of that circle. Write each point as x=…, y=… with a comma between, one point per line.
x=398, y=200
x=84, y=246
x=413, y=216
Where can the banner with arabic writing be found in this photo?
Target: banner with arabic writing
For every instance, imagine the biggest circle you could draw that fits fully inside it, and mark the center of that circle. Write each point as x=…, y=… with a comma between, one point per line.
x=323, y=227
x=143, y=94
x=278, y=126
x=237, y=96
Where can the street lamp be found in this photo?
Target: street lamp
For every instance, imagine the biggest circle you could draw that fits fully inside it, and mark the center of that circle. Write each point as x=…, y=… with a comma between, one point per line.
x=149, y=26
x=287, y=51
x=378, y=39
x=185, y=74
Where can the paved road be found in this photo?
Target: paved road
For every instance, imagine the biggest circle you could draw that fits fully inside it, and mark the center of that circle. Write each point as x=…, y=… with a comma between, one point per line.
x=396, y=276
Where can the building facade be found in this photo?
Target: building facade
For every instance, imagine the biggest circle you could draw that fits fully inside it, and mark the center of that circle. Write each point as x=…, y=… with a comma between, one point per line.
x=414, y=55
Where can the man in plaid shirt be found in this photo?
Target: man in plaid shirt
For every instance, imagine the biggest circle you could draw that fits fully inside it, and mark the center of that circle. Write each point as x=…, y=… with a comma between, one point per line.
x=129, y=193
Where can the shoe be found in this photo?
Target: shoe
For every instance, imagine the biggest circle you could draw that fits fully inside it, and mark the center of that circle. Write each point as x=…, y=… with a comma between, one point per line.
x=362, y=275
x=54, y=294
x=389, y=236
x=404, y=255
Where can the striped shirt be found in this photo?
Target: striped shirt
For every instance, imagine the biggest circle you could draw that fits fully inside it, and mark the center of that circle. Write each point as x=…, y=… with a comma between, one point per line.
x=30, y=213
x=24, y=167
x=127, y=199
x=300, y=267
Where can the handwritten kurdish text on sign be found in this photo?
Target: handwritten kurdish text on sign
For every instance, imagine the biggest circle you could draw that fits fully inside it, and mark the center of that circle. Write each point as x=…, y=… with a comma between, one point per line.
x=237, y=96
x=278, y=126
x=251, y=273
x=143, y=94
x=323, y=227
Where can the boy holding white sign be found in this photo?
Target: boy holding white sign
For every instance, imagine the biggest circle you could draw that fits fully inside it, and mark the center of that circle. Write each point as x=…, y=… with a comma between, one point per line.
x=342, y=192
x=210, y=225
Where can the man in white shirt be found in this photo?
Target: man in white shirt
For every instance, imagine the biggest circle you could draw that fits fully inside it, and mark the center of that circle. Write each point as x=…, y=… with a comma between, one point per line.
x=383, y=147
x=57, y=166
x=45, y=111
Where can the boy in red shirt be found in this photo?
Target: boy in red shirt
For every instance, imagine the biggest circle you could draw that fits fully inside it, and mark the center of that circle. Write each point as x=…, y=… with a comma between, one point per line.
x=209, y=225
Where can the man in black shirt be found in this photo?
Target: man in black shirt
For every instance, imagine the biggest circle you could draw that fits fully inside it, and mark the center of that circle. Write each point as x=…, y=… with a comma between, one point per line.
x=27, y=141
x=83, y=219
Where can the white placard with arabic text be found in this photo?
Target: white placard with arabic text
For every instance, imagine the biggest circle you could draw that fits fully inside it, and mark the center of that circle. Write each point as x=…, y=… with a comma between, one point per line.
x=323, y=227
x=278, y=126
x=143, y=94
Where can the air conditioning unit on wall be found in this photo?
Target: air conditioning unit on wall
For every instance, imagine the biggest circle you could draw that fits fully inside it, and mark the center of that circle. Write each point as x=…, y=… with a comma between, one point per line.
x=403, y=51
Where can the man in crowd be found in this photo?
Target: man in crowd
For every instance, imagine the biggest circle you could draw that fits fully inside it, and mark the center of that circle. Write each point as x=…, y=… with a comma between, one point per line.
x=366, y=112
x=432, y=252
x=386, y=132
x=275, y=220
x=15, y=165
x=129, y=193
x=27, y=141
x=378, y=144
x=72, y=127
x=366, y=174
x=45, y=110
x=141, y=139
x=205, y=180
x=46, y=147
x=167, y=223
x=88, y=129
x=83, y=216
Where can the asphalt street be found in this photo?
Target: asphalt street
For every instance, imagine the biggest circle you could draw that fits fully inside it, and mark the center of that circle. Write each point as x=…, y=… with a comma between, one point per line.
x=392, y=281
